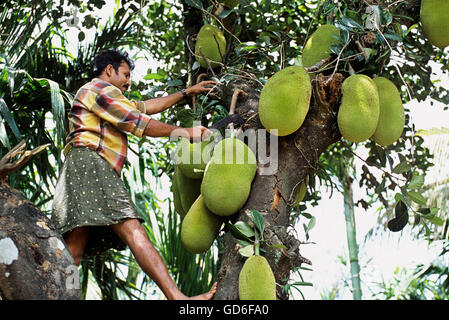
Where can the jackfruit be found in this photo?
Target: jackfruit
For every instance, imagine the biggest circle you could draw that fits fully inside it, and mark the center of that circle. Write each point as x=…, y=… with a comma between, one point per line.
x=318, y=45
x=284, y=100
x=192, y=158
x=391, y=117
x=211, y=41
x=227, y=180
x=256, y=280
x=187, y=188
x=359, y=110
x=434, y=17
x=199, y=228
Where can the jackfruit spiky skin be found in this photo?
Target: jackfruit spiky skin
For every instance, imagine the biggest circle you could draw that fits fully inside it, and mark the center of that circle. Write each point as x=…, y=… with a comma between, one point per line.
x=188, y=189
x=391, y=116
x=359, y=110
x=434, y=17
x=318, y=45
x=194, y=162
x=212, y=42
x=226, y=184
x=199, y=228
x=256, y=280
x=284, y=100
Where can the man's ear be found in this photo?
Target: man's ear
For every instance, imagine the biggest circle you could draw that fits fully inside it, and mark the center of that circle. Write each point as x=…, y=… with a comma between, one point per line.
x=109, y=70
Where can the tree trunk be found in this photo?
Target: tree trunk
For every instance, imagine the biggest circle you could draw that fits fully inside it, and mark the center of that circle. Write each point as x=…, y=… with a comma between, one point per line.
x=351, y=234
x=272, y=194
x=34, y=260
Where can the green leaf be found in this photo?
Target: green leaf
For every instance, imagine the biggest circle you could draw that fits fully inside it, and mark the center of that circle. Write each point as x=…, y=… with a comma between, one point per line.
x=237, y=233
x=402, y=167
x=247, y=251
x=416, y=182
x=417, y=197
x=258, y=220
x=195, y=4
x=6, y=113
x=278, y=246
x=244, y=228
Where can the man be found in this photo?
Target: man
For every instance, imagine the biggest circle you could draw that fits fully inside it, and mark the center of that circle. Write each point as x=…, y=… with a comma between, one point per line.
x=91, y=207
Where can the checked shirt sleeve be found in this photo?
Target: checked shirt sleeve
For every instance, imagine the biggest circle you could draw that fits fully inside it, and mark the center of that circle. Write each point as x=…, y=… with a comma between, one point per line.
x=112, y=106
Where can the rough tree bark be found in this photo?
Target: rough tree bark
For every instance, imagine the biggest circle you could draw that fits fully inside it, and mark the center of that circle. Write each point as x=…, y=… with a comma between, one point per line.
x=272, y=194
x=34, y=260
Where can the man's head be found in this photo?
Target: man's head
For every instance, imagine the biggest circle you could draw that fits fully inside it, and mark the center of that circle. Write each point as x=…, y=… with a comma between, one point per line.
x=113, y=66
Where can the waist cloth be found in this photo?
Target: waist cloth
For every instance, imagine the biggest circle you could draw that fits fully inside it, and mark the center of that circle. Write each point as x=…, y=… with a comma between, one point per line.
x=90, y=193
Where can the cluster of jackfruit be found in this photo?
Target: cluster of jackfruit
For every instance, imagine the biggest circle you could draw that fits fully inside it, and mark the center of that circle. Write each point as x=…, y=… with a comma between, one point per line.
x=434, y=17
x=370, y=108
x=210, y=181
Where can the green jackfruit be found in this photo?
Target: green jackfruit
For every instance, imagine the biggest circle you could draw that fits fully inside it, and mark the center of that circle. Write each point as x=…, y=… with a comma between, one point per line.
x=211, y=41
x=391, y=117
x=227, y=180
x=284, y=100
x=318, y=45
x=187, y=188
x=256, y=280
x=199, y=228
x=192, y=158
x=359, y=110
x=434, y=16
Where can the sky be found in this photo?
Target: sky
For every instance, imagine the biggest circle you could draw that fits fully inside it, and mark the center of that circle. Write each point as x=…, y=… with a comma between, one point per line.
x=380, y=257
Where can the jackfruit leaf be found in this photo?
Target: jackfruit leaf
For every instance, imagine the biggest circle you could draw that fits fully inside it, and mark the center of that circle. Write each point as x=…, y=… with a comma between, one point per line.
x=174, y=83
x=401, y=218
x=416, y=182
x=416, y=197
x=258, y=220
x=247, y=251
x=241, y=230
x=402, y=167
x=186, y=117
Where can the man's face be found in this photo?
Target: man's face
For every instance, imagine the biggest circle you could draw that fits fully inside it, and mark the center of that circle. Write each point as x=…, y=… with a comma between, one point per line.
x=122, y=78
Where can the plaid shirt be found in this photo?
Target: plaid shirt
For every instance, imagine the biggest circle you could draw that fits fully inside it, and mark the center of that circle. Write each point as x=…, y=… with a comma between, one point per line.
x=100, y=117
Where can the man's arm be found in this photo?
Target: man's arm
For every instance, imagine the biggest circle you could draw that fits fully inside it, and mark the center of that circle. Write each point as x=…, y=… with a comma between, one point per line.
x=157, y=128
x=157, y=105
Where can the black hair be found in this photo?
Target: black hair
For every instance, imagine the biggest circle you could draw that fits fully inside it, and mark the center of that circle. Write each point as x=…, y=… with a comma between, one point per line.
x=106, y=57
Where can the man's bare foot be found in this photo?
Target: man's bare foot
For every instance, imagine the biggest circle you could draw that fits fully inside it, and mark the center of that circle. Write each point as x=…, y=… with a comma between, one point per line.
x=205, y=296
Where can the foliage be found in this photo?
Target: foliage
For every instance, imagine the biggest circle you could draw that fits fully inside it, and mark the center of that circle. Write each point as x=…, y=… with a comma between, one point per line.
x=39, y=76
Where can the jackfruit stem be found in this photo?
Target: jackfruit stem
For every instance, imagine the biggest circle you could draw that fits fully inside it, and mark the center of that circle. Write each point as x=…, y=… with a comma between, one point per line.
x=256, y=244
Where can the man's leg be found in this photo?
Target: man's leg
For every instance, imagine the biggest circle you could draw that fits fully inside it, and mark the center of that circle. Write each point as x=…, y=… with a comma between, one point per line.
x=76, y=241
x=135, y=236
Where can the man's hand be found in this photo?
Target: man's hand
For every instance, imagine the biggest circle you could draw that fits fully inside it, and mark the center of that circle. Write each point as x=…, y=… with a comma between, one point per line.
x=201, y=87
x=198, y=133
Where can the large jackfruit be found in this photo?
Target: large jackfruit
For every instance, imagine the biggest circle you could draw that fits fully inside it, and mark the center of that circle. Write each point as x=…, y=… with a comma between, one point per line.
x=284, y=100
x=187, y=190
x=199, y=228
x=359, y=110
x=318, y=45
x=227, y=180
x=391, y=117
x=256, y=280
x=211, y=41
x=192, y=158
x=434, y=16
